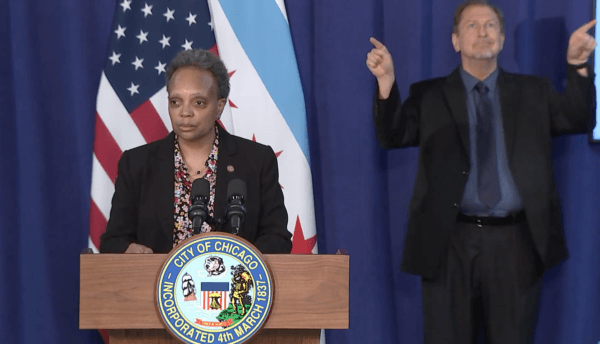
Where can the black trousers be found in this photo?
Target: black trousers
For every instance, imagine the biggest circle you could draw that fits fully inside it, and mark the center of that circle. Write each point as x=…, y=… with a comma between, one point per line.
x=492, y=276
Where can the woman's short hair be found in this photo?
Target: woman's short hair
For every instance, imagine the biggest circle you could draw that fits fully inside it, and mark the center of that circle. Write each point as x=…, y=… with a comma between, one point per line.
x=201, y=59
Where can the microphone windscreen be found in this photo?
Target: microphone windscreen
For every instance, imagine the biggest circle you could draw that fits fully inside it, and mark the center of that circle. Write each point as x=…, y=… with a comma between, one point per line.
x=200, y=187
x=236, y=187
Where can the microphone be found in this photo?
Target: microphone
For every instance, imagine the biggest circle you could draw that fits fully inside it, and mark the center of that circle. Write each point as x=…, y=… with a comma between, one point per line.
x=236, y=211
x=198, y=212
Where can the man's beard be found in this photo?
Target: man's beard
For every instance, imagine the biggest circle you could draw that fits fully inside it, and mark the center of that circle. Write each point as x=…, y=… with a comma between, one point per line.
x=486, y=55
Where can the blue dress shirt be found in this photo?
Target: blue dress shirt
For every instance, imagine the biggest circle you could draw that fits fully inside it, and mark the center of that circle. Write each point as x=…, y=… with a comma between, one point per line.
x=510, y=200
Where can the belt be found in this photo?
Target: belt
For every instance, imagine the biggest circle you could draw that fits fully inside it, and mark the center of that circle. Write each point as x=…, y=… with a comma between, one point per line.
x=492, y=221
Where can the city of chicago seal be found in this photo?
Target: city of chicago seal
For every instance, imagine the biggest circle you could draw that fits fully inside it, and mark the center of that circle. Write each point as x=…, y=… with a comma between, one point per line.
x=214, y=288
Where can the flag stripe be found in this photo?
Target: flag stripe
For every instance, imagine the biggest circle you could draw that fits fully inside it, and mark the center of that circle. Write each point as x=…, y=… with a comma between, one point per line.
x=116, y=118
x=160, y=101
x=97, y=224
x=149, y=122
x=104, y=334
x=264, y=33
x=102, y=187
x=206, y=300
x=92, y=245
x=106, y=149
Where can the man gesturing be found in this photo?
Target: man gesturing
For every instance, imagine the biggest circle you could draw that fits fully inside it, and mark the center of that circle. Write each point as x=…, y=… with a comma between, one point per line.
x=484, y=218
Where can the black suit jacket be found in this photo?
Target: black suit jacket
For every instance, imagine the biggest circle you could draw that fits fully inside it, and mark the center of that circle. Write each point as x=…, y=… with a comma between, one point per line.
x=434, y=117
x=143, y=207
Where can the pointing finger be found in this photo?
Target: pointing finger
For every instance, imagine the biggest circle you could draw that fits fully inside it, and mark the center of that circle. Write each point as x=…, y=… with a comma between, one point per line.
x=376, y=43
x=586, y=27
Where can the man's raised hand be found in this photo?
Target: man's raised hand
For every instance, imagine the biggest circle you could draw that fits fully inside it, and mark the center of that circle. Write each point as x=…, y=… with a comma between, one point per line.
x=581, y=44
x=379, y=62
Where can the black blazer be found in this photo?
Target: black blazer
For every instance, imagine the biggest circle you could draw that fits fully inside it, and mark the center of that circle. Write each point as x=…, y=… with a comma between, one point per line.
x=143, y=208
x=434, y=117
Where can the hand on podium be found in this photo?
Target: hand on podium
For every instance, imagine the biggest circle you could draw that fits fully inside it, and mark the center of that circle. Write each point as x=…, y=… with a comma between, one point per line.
x=137, y=248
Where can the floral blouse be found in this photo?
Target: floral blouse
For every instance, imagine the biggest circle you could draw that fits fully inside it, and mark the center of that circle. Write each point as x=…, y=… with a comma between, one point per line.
x=183, y=188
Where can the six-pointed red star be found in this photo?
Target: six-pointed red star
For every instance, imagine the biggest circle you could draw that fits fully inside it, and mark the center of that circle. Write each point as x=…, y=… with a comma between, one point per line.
x=299, y=244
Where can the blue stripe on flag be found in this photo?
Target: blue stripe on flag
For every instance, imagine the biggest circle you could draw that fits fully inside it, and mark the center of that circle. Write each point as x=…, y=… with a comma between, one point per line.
x=264, y=33
x=214, y=286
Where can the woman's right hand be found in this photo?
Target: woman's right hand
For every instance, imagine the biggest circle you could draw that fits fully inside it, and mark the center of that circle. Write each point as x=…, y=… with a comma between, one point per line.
x=137, y=248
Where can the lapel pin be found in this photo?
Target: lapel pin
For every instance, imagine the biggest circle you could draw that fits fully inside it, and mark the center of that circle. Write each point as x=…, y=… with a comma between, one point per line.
x=230, y=168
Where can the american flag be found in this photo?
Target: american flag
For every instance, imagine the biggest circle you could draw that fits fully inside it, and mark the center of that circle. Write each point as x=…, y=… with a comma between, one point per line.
x=131, y=107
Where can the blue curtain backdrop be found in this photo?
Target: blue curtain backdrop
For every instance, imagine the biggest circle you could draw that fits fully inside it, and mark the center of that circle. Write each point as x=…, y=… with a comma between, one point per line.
x=52, y=53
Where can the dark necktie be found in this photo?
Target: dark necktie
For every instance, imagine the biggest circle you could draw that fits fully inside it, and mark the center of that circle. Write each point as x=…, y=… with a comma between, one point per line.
x=488, y=187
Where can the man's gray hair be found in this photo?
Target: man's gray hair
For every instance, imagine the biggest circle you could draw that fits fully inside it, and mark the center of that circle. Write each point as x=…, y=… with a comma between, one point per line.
x=201, y=59
x=467, y=3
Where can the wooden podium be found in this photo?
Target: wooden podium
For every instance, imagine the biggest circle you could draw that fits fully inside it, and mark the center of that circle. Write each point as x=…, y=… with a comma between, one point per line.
x=117, y=292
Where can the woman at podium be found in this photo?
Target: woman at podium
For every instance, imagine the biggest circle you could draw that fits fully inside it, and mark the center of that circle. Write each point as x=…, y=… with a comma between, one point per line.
x=153, y=188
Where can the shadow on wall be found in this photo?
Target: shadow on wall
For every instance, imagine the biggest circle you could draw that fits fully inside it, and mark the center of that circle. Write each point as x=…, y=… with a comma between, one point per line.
x=538, y=45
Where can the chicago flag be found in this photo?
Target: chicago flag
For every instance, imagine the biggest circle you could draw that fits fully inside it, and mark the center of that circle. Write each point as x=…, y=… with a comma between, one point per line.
x=267, y=102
